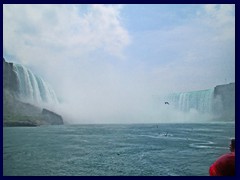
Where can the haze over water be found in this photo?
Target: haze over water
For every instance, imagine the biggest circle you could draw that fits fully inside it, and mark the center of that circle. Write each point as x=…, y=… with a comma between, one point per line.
x=109, y=63
x=135, y=85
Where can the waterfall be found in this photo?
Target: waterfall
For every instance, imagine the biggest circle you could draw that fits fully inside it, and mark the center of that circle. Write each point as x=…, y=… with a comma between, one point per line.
x=33, y=88
x=202, y=101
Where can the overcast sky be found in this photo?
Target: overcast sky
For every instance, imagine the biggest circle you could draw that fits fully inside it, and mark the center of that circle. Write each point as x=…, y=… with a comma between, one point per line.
x=113, y=57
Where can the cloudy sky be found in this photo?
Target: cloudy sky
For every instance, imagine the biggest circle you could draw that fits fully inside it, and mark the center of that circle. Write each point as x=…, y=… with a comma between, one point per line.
x=113, y=57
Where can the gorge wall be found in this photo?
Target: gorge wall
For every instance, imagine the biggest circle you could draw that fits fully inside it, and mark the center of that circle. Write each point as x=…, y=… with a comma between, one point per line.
x=224, y=101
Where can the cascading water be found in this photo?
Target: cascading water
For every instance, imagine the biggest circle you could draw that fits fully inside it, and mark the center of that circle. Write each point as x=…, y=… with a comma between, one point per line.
x=202, y=101
x=32, y=88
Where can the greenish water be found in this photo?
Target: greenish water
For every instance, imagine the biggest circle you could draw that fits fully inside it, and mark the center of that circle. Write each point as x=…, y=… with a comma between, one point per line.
x=96, y=150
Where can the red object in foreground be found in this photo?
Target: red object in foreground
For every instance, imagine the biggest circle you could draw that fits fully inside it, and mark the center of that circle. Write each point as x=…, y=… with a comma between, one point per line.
x=223, y=166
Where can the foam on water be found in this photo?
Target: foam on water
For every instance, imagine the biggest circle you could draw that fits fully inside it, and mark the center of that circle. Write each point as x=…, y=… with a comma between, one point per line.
x=115, y=149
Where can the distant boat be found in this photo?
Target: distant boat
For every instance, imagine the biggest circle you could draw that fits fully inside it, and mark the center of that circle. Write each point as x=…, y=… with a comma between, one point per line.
x=167, y=103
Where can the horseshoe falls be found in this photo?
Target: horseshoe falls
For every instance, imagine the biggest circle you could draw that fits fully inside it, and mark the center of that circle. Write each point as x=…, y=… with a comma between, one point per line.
x=32, y=88
x=218, y=101
x=201, y=101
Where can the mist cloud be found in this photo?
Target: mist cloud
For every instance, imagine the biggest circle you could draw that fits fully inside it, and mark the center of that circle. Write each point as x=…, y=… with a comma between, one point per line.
x=103, y=72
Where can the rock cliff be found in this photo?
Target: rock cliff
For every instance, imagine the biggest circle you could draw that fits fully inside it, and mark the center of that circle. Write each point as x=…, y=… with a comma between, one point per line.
x=51, y=117
x=224, y=101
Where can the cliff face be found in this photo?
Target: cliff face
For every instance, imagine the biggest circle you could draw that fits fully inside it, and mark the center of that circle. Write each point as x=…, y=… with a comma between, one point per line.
x=224, y=101
x=17, y=112
x=9, y=77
